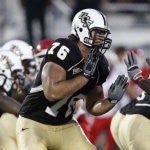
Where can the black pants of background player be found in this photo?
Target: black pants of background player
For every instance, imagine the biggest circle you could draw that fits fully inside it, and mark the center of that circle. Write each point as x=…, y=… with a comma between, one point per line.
x=31, y=16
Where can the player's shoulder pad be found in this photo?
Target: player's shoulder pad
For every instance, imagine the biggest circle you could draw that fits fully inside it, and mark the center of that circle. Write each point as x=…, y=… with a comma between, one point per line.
x=69, y=43
x=64, y=52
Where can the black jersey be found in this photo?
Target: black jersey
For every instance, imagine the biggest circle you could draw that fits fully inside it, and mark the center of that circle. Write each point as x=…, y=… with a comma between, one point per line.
x=139, y=106
x=65, y=53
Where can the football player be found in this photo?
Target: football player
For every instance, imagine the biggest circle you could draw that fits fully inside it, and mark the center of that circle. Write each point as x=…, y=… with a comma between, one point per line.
x=13, y=63
x=25, y=52
x=73, y=68
x=132, y=123
x=9, y=107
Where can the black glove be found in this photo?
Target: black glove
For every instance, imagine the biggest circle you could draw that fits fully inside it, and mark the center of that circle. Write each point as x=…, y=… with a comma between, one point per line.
x=102, y=70
x=117, y=89
x=91, y=63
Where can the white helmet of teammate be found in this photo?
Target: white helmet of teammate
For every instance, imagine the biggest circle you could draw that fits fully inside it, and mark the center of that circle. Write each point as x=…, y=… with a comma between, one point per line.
x=10, y=61
x=4, y=70
x=87, y=20
x=20, y=48
x=6, y=81
x=10, y=65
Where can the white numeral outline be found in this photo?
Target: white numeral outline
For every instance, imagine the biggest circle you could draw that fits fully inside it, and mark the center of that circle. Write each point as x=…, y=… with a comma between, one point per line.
x=53, y=111
x=54, y=45
x=62, y=52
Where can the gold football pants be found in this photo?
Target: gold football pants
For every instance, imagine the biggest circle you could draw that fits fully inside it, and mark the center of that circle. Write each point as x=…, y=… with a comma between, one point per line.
x=8, y=132
x=131, y=132
x=32, y=135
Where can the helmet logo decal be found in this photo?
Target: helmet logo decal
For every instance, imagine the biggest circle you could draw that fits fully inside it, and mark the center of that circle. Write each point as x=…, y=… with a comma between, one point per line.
x=16, y=50
x=88, y=19
x=6, y=62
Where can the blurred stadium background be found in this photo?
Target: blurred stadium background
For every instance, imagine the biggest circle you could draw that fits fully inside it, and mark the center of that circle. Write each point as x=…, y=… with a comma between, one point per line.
x=129, y=21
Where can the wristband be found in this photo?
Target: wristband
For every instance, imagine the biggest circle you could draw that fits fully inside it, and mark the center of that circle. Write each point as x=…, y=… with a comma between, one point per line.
x=112, y=101
x=138, y=79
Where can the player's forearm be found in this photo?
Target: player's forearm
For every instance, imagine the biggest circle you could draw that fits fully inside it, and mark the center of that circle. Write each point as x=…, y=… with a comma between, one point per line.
x=101, y=107
x=145, y=85
x=60, y=90
x=8, y=104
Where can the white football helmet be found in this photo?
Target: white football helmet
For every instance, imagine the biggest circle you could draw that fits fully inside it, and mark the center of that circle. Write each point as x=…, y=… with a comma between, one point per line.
x=11, y=60
x=20, y=48
x=10, y=64
x=6, y=81
x=4, y=69
x=23, y=50
x=87, y=20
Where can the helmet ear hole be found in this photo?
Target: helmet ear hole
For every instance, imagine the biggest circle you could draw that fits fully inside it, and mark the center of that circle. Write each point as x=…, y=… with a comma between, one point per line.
x=80, y=29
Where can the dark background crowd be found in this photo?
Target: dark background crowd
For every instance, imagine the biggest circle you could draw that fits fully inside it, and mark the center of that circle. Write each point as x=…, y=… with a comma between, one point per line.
x=32, y=20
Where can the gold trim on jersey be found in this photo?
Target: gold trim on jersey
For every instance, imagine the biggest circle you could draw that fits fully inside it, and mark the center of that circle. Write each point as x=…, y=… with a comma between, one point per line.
x=75, y=65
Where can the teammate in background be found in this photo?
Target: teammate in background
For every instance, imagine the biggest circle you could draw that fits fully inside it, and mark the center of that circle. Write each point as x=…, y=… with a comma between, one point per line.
x=73, y=68
x=13, y=65
x=7, y=104
x=101, y=134
x=9, y=108
x=132, y=123
x=144, y=67
x=135, y=73
x=25, y=52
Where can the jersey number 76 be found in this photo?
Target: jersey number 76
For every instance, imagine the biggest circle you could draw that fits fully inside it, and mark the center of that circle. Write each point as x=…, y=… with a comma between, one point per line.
x=62, y=52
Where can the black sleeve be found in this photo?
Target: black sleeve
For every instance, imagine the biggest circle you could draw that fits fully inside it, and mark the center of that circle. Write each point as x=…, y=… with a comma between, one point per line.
x=102, y=69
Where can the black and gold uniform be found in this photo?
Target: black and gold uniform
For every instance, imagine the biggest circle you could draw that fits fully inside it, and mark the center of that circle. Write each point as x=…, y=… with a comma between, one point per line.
x=50, y=122
x=130, y=126
x=139, y=106
x=65, y=53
